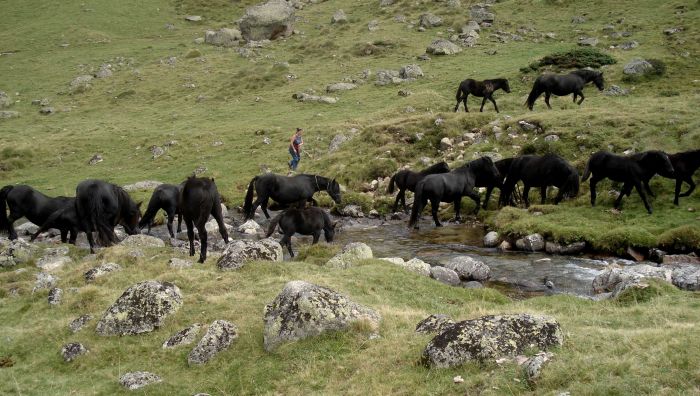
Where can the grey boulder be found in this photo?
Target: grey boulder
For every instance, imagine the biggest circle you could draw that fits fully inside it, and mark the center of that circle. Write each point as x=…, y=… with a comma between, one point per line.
x=434, y=324
x=138, y=379
x=267, y=21
x=444, y=275
x=351, y=254
x=73, y=350
x=239, y=252
x=185, y=336
x=469, y=268
x=218, y=337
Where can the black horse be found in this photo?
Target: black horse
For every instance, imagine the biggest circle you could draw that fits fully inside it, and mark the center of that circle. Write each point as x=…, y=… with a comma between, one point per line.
x=65, y=220
x=164, y=197
x=562, y=85
x=482, y=89
x=24, y=201
x=306, y=221
x=286, y=190
x=540, y=171
x=407, y=180
x=100, y=206
x=633, y=172
x=450, y=187
x=200, y=198
x=684, y=164
x=485, y=179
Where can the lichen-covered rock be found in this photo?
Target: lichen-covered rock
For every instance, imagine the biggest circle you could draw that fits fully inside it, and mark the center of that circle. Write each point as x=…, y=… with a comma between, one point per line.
x=339, y=17
x=429, y=20
x=409, y=72
x=444, y=275
x=469, y=268
x=267, y=21
x=340, y=86
x=138, y=379
x=531, y=243
x=481, y=13
x=54, y=258
x=533, y=366
x=350, y=255
x=16, y=252
x=418, y=266
x=178, y=263
x=638, y=67
x=352, y=211
x=250, y=227
x=686, y=277
x=223, y=37
x=436, y=323
x=386, y=77
x=304, y=97
x=44, y=281
x=55, y=295
x=101, y=270
x=185, y=336
x=239, y=252
x=394, y=260
x=142, y=241
x=5, y=101
x=492, y=239
x=491, y=337
x=73, y=350
x=572, y=248
x=142, y=308
x=81, y=84
x=78, y=323
x=304, y=310
x=218, y=337
x=142, y=185
x=443, y=47
x=617, y=280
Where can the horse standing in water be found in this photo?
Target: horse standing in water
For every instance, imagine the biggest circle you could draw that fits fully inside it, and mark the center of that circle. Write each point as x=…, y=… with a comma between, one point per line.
x=632, y=171
x=307, y=221
x=450, y=187
x=164, y=197
x=287, y=190
x=24, y=201
x=482, y=89
x=564, y=84
x=200, y=198
x=535, y=171
x=100, y=206
x=407, y=180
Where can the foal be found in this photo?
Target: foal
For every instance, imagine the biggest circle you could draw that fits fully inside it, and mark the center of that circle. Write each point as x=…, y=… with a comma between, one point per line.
x=540, y=171
x=200, y=198
x=482, y=89
x=307, y=221
x=684, y=164
x=164, y=197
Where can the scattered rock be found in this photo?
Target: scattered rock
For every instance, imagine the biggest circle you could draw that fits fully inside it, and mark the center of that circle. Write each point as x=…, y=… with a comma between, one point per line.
x=54, y=258
x=55, y=296
x=101, y=270
x=81, y=84
x=673, y=30
x=267, y=21
x=443, y=47
x=405, y=92
x=104, y=72
x=339, y=17
x=304, y=97
x=533, y=366
x=638, y=67
x=492, y=239
x=47, y=110
x=7, y=114
x=572, y=248
x=223, y=37
x=469, y=268
x=491, y=337
x=530, y=243
x=142, y=241
x=686, y=277
x=350, y=255
x=238, y=253
x=185, y=336
x=5, y=101
x=616, y=280
x=218, y=337
x=386, y=77
x=336, y=142
x=436, y=323
x=250, y=227
x=305, y=310
x=429, y=20
x=473, y=285
x=629, y=45
x=587, y=41
x=410, y=72
x=480, y=13
x=193, y=18
x=373, y=25
x=138, y=379
x=73, y=350
x=142, y=185
x=178, y=263
x=551, y=138
x=386, y=3
x=446, y=144
x=341, y=86
x=616, y=90
x=414, y=265
x=44, y=281
x=97, y=158
x=526, y=126
x=78, y=323
x=578, y=19
x=444, y=275
x=142, y=308
x=352, y=211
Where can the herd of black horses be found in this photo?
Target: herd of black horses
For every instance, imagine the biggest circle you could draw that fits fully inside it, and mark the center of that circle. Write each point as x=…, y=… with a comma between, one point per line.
x=99, y=206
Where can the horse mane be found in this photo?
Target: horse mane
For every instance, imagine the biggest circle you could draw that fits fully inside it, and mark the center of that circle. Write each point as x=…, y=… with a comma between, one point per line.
x=498, y=82
x=433, y=168
x=586, y=74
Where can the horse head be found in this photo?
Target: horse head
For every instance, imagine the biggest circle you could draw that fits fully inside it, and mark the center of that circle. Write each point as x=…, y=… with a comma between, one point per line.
x=333, y=189
x=598, y=81
x=505, y=86
x=131, y=215
x=485, y=167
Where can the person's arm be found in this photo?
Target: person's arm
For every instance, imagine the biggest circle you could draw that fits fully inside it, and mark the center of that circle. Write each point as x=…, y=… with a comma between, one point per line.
x=291, y=141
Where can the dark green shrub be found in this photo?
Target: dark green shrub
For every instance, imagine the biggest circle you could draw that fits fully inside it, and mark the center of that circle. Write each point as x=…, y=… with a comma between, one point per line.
x=575, y=59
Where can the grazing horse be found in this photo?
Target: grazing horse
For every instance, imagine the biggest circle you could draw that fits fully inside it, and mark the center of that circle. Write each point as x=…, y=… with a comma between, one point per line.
x=484, y=180
x=164, y=197
x=540, y=171
x=286, y=190
x=632, y=171
x=684, y=164
x=450, y=187
x=100, y=206
x=407, y=180
x=306, y=221
x=200, y=198
x=24, y=201
x=482, y=89
x=64, y=219
x=562, y=85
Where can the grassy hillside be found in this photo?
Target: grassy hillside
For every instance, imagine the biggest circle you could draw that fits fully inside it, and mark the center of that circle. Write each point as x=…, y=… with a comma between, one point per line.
x=162, y=94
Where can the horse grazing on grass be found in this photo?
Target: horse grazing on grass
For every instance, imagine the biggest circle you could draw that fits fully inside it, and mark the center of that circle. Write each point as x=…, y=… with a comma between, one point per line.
x=684, y=164
x=450, y=187
x=100, y=206
x=407, y=180
x=564, y=84
x=632, y=171
x=65, y=220
x=306, y=221
x=164, y=197
x=482, y=89
x=200, y=198
x=24, y=201
x=540, y=171
x=287, y=190
x=490, y=182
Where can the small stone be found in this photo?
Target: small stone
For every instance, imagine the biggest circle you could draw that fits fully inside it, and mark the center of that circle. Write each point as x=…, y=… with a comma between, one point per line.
x=218, y=337
x=193, y=18
x=101, y=271
x=78, y=323
x=531, y=243
x=55, y=296
x=73, y=350
x=138, y=379
x=185, y=336
x=178, y=263
x=97, y=158
x=434, y=324
x=492, y=239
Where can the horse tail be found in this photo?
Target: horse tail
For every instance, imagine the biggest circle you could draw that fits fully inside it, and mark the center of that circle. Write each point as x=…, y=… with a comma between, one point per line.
x=153, y=206
x=574, y=188
x=587, y=171
x=96, y=218
x=459, y=93
x=273, y=224
x=416, y=208
x=534, y=94
x=4, y=221
x=248, y=204
x=390, y=189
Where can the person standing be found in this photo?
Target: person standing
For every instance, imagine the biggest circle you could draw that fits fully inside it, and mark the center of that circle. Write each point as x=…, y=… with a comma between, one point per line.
x=295, y=149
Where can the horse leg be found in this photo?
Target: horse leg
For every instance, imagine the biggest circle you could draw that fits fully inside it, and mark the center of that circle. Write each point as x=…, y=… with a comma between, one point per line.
x=626, y=190
x=317, y=236
x=171, y=217
x=219, y=217
x=546, y=99
x=494, y=103
x=575, y=97
x=648, y=189
x=640, y=190
x=690, y=181
x=466, y=109
x=11, y=221
x=434, y=206
x=287, y=241
x=190, y=234
x=203, y=241
x=458, y=207
x=396, y=202
x=263, y=205
x=64, y=236
x=403, y=200
x=594, y=181
x=580, y=93
x=526, y=195
x=483, y=101
x=477, y=200
x=179, y=222
x=543, y=194
x=73, y=236
x=489, y=190
x=679, y=184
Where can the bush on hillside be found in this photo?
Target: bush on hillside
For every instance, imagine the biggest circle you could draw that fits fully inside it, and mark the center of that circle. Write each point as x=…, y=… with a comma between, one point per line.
x=575, y=59
x=659, y=69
